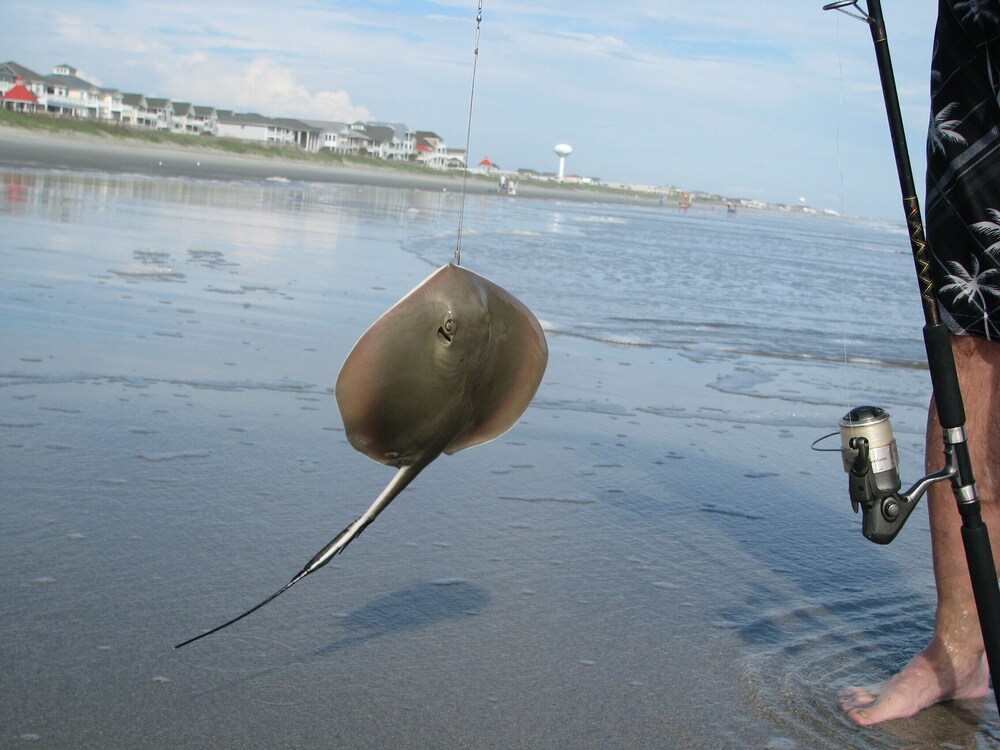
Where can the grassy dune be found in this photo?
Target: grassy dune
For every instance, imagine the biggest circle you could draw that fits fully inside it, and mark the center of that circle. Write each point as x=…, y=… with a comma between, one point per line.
x=72, y=125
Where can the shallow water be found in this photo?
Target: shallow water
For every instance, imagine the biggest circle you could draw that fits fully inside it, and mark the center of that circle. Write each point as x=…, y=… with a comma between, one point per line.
x=653, y=557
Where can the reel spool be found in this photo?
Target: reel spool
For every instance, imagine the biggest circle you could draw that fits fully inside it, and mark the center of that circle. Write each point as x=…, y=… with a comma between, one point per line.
x=871, y=424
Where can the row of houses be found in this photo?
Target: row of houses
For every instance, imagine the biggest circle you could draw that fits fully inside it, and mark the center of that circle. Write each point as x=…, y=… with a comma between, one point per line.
x=64, y=93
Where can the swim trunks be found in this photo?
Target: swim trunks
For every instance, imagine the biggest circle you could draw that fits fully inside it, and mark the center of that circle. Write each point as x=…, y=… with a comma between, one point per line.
x=963, y=167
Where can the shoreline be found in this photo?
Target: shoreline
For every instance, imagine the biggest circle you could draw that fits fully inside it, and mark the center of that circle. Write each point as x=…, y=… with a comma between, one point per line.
x=29, y=149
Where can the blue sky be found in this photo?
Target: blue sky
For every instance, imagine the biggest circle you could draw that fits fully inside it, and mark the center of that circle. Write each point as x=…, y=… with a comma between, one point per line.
x=768, y=99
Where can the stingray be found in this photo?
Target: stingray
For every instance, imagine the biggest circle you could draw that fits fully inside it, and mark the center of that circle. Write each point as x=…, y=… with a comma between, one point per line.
x=451, y=365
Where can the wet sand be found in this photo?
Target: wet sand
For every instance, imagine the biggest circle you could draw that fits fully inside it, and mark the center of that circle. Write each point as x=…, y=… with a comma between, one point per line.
x=652, y=557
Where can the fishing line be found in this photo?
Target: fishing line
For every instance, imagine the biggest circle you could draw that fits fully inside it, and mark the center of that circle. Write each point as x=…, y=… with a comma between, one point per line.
x=845, y=290
x=866, y=365
x=468, y=136
x=840, y=172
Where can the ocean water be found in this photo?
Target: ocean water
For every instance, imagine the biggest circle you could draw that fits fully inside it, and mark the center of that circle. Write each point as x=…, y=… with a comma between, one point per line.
x=653, y=557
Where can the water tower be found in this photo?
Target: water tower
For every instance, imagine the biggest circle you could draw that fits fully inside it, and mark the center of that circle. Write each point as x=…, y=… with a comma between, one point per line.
x=562, y=151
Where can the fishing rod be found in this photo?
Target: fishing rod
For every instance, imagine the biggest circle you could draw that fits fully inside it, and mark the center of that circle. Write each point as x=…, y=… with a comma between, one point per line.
x=867, y=445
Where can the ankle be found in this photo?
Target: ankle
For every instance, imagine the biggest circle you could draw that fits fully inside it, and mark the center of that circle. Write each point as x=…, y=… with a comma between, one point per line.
x=959, y=666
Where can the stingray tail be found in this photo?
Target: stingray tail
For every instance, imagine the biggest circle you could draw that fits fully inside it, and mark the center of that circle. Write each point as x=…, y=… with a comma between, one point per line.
x=402, y=478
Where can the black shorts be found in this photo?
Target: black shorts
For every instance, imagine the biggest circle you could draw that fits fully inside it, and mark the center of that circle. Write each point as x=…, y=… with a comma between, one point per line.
x=963, y=167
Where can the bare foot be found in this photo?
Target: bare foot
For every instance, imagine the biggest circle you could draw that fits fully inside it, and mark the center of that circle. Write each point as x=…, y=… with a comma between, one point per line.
x=931, y=677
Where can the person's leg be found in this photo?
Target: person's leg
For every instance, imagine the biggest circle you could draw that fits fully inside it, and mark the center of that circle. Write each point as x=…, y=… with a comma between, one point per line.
x=953, y=665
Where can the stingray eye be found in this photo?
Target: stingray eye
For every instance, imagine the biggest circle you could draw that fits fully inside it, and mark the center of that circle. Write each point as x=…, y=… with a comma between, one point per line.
x=447, y=331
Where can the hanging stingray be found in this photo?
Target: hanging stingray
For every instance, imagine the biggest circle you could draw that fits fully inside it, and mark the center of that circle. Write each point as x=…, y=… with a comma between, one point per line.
x=451, y=365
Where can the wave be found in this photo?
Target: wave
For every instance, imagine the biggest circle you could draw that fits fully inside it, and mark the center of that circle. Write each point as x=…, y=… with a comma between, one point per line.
x=787, y=345
x=8, y=379
x=145, y=271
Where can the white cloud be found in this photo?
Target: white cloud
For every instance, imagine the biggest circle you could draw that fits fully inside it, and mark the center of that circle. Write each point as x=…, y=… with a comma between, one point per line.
x=172, y=38
x=269, y=87
x=336, y=105
x=262, y=86
x=70, y=31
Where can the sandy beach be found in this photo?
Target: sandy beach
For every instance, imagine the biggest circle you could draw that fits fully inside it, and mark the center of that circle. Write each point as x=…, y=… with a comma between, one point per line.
x=651, y=557
x=32, y=149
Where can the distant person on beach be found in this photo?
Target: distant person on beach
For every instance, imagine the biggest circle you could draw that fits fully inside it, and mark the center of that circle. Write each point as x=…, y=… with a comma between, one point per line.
x=963, y=233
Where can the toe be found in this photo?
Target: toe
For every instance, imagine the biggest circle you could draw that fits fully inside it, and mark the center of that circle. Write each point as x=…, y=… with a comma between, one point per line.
x=862, y=716
x=853, y=698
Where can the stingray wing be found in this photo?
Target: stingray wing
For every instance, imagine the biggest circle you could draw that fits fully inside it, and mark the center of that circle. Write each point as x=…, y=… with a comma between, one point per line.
x=516, y=361
x=391, y=404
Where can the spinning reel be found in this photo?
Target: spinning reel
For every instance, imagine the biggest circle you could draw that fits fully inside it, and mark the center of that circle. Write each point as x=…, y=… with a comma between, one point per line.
x=871, y=460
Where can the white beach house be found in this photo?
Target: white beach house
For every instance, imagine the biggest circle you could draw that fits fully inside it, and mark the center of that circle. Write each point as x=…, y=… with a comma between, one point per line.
x=65, y=93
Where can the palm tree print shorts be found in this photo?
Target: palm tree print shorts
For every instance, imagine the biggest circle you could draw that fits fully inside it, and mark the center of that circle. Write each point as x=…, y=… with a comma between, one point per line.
x=963, y=166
